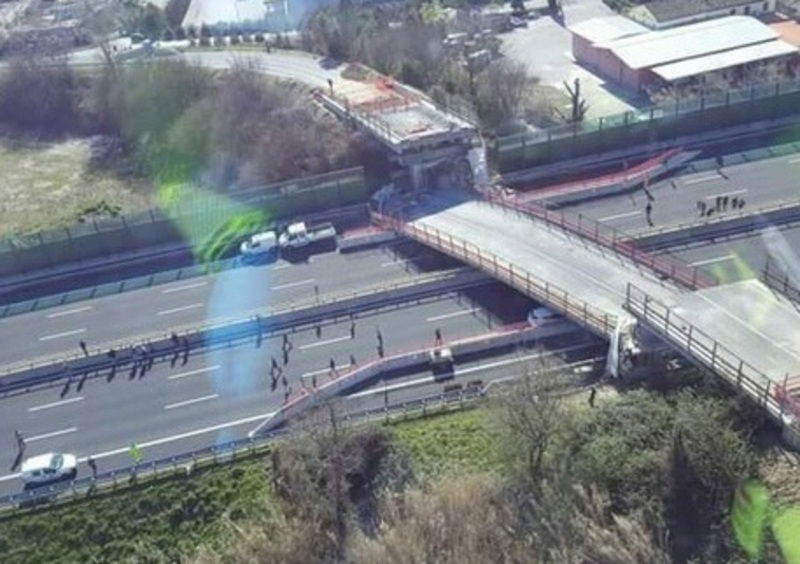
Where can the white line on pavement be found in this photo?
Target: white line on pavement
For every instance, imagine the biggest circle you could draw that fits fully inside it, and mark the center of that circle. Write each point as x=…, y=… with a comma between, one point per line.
x=191, y=401
x=55, y=404
x=619, y=216
x=64, y=334
x=794, y=160
x=282, y=266
x=702, y=179
x=178, y=309
x=454, y=314
x=324, y=371
x=733, y=193
x=69, y=312
x=400, y=261
x=49, y=435
x=193, y=372
x=712, y=260
x=323, y=343
x=293, y=284
x=186, y=287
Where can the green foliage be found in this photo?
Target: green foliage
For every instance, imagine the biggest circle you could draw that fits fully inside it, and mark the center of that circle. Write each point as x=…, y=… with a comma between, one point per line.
x=786, y=529
x=160, y=521
x=225, y=238
x=749, y=516
x=456, y=443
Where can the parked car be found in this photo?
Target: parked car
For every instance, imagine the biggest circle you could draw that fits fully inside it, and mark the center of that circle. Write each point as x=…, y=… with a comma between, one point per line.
x=260, y=244
x=540, y=314
x=49, y=467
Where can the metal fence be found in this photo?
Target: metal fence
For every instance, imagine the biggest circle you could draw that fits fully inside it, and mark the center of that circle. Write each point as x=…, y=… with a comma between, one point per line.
x=777, y=279
x=579, y=310
x=198, y=216
x=222, y=453
x=709, y=353
x=610, y=238
x=681, y=116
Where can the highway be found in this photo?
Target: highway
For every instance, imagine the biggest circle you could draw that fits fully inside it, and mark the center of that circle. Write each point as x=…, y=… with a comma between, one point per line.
x=221, y=394
x=226, y=294
x=760, y=183
x=744, y=256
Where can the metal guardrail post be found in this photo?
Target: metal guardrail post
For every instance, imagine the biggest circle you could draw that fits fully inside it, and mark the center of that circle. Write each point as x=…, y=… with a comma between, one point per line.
x=739, y=373
x=714, y=355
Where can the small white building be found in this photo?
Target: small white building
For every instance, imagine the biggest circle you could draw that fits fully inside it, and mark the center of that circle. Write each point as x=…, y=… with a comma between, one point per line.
x=662, y=14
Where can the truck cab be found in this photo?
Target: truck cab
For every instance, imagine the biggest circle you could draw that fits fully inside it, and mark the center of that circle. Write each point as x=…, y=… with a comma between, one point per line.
x=296, y=235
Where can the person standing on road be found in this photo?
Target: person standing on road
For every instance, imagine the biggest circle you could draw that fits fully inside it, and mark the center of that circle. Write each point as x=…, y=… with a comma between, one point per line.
x=648, y=212
x=592, y=395
x=352, y=360
x=93, y=465
x=437, y=337
x=83, y=347
x=20, y=440
x=352, y=329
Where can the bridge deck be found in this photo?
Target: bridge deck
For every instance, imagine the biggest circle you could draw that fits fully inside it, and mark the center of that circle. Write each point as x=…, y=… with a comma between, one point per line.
x=584, y=270
x=762, y=327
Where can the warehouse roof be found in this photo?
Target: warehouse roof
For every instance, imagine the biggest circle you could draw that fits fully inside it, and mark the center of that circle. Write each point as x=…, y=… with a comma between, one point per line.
x=723, y=60
x=607, y=28
x=667, y=10
x=655, y=48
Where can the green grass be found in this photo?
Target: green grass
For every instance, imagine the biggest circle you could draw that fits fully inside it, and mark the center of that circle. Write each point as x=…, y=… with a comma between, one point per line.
x=166, y=518
x=452, y=443
x=157, y=521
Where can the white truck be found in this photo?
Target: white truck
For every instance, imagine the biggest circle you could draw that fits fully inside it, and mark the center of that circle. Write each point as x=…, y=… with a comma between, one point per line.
x=299, y=234
x=296, y=235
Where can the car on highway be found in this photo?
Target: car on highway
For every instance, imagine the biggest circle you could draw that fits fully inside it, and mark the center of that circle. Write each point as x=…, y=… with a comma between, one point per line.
x=540, y=314
x=50, y=467
x=259, y=245
x=300, y=234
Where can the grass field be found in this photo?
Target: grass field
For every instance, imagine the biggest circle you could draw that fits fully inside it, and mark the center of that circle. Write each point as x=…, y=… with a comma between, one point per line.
x=49, y=185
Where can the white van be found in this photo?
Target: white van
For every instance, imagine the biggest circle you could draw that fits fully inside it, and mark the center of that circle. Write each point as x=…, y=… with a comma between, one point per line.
x=49, y=468
x=259, y=244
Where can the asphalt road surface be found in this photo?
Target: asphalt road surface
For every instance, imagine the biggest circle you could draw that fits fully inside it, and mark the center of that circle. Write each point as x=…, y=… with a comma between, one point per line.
x=744, y=256
x=222, y=394
x=228, y=294
x=760, y=183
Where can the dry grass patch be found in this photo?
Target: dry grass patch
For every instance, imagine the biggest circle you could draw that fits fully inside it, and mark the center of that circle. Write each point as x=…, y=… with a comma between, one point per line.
x=49, y=185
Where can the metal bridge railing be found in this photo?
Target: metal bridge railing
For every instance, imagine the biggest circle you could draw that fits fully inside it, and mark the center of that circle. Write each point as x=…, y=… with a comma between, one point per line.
x=709, y=353
x=610, y=238
x=779, y=281
x=575, y=308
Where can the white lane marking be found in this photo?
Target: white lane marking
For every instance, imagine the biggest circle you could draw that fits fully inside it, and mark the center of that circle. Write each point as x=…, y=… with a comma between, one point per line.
x=165, y=440
x=64, y=334
x=454, y=314
x=191, y=401
x=55, y=404
x=702, y=179
x=323, y=343
x=712, y=260
x=400, y=261
x=324, y=371
x=293, y=284
x=193, y=372
x=733, y=193
x=178, y=309
x=69, y=312
x=283, y=266
x=49, y=435
x=619, y=216
x=795, y=160
x=186, y=287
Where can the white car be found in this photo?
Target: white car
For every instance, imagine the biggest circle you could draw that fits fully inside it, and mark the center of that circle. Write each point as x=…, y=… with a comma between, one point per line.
x=539, y=314
x=260, y=244
x=49, y=468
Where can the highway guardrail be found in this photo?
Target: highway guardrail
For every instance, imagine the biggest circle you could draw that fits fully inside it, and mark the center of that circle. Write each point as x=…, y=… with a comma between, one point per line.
x=254, y=323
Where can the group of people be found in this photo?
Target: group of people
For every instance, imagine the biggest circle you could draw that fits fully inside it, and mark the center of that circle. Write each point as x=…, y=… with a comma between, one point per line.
x=720, y=205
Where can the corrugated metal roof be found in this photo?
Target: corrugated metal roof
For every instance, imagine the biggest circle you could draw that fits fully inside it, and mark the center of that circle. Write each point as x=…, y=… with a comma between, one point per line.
x=607, y=28
x=666, y=10
x=694, y=40
x=726, y=59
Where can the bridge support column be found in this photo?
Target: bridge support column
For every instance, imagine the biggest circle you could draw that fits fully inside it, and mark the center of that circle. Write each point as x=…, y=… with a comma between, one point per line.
x=791, y=436
x=417, y=177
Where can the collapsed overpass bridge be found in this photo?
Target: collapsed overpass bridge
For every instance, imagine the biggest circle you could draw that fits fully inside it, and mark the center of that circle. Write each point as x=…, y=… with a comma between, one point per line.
x=745, y=333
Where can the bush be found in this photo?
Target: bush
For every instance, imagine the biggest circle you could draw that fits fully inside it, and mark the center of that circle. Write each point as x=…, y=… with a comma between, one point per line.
x=259, y=38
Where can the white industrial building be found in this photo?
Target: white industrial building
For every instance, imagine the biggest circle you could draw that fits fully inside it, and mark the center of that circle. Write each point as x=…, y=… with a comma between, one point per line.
x=627, y=54
x=662, y=14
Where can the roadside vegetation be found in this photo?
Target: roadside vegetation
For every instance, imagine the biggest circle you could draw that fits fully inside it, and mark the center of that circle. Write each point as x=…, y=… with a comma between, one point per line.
x=149, y=128
x=645, y=475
